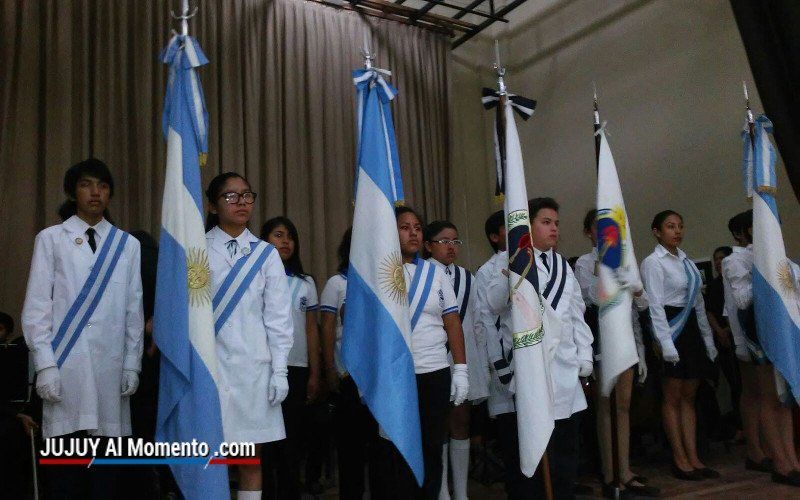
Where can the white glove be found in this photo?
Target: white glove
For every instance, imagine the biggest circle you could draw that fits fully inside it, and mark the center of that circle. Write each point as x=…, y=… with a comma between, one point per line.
x=669, y=353
x=743, y=353
x=585, y=368
x=459, y=384
x=48, y=384
x=642, y=366
x=278, y=387
x=629, y=278
x=130, y=382
x=711, y=351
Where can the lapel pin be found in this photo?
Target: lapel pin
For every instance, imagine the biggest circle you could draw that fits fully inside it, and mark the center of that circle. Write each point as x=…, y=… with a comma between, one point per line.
x=79, y=241
x=245, y=250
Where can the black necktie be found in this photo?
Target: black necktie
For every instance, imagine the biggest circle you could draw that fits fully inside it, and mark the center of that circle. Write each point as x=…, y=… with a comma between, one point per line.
x=544, y=260
x=92, y=243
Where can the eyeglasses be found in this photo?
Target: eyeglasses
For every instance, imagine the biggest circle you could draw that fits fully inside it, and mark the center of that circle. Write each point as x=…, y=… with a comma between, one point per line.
x=232, y=198
x=453, y=243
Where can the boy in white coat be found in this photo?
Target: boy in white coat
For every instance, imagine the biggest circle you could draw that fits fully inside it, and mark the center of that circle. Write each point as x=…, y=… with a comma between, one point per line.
x=83, y=323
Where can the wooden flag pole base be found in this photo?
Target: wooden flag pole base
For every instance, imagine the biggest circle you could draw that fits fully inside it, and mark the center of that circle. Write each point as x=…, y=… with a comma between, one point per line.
x=612, y=409
x=548, y=484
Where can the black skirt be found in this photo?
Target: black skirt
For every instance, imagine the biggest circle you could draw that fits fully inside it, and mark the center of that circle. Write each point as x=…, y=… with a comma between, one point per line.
x=694, y=362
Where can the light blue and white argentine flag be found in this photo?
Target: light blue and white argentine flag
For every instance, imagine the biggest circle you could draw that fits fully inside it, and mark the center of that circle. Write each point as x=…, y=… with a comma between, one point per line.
x=376, y=335
x=615, y=252
x=775, y=287
x=188, y=403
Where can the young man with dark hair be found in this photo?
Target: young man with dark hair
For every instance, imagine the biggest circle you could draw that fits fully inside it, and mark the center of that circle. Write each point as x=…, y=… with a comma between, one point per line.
x=573, y=356
x=556, y=283
x=82, y=321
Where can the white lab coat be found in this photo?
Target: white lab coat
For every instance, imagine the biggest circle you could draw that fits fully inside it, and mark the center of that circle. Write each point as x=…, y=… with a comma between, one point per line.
x=491, y=303
x=91, y=376
x=252, y=343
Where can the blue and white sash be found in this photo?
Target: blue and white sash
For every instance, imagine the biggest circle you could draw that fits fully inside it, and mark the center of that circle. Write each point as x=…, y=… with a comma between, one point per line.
x=693, y=282
x=420, y=289
x=554, y=288
x=86, y=302
x=462, y=286
x=236, y=282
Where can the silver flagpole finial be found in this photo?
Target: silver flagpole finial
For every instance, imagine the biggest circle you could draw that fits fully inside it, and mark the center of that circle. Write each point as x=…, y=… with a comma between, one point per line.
x=747, y=103
x=365, y=51
x=596, y=109
x=185, y=16
x=499, y=68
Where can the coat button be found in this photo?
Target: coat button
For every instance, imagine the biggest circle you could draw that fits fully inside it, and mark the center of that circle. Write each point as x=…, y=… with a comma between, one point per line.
x=88, y=325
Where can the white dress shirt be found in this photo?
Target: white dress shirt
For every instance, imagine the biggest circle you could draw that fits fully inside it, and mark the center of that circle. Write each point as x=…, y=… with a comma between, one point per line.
x=332, y=301
x=303, y=293
x=666, y=284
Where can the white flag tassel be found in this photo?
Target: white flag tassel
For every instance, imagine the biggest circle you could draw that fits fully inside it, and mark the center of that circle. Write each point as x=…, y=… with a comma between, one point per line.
x=615, y=255
x=531, y=329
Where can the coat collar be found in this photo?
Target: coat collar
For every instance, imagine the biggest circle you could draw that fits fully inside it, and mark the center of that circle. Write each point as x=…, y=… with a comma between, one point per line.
x=663, y=252
x=216, y=238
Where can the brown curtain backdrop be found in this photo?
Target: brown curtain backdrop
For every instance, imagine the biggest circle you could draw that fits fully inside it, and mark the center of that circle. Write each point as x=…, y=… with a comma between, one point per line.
x=81, y=78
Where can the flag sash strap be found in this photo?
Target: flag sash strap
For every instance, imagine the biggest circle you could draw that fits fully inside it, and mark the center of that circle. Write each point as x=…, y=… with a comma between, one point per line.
x=693, y=281
x=237, y=281
x=418, y=296
x=558, y=273
x=462, y=294
x=92, y=291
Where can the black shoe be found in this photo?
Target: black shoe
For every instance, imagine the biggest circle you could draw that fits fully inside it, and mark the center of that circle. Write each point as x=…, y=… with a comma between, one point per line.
x=692, y=475
x=762, y=466
x=708, y=473
x=792, y=478
x=642, y=490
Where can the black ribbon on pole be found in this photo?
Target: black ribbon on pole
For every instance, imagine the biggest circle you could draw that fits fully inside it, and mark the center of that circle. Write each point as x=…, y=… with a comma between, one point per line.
x=524, y=107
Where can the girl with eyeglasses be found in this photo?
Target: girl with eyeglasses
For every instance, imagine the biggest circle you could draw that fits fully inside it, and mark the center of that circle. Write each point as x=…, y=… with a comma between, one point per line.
x=442, y=247
x=253, y=323
x=304, y=358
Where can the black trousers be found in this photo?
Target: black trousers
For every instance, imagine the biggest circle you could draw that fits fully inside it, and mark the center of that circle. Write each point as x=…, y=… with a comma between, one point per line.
x=286, y=456
x=562, y=451
x=79, y=482
x=356, y=434
x=433, y=394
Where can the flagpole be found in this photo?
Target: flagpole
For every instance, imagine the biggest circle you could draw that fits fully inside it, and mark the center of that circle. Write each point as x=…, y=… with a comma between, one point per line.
x=751, y=125
x=612, y=397
x=544, y=465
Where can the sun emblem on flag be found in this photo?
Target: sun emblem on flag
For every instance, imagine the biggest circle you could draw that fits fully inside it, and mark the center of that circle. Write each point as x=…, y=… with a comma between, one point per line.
x=787, y=278
x=390, y=276
x=199, y=275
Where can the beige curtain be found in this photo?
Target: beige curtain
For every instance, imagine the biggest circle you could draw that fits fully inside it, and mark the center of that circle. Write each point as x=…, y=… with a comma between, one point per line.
x=81, y=78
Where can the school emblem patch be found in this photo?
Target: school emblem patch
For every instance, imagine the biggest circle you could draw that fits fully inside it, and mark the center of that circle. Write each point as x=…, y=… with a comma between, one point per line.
x=390, y=276
x=611, y=233
x=199, y=276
